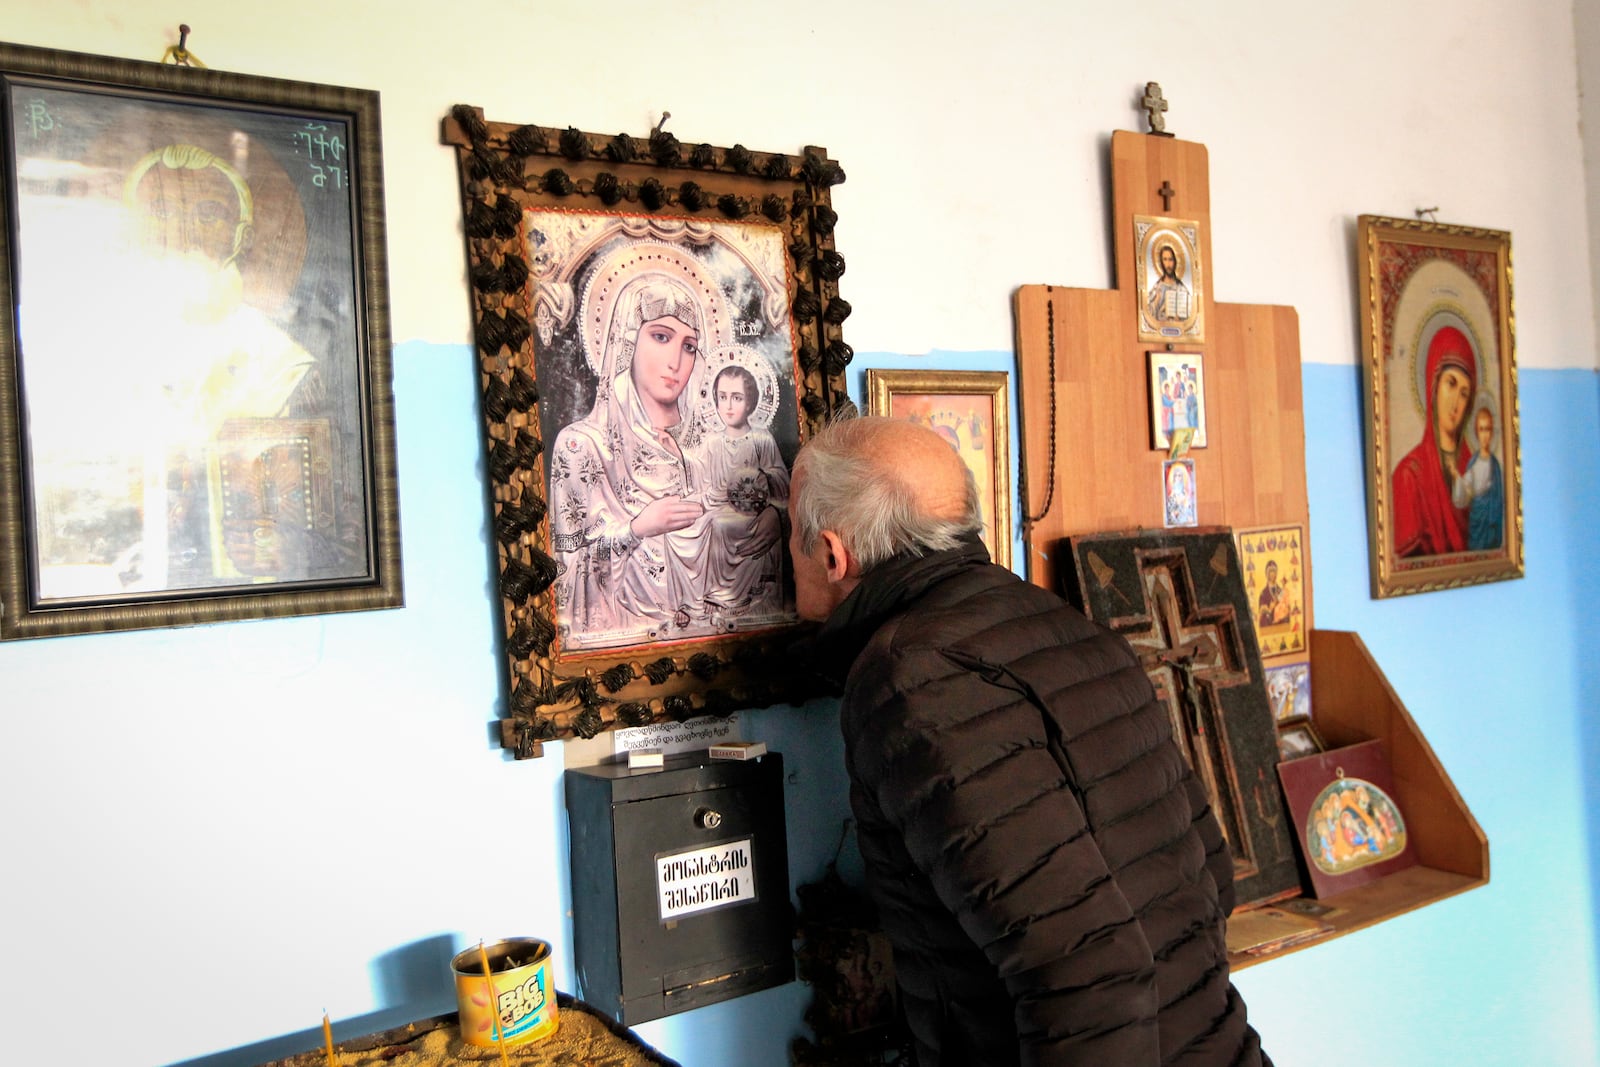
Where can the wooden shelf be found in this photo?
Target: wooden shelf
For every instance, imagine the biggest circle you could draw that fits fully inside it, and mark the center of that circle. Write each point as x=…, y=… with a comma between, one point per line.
x=1355, y=703
x=1374, y=903
x=1352, y=701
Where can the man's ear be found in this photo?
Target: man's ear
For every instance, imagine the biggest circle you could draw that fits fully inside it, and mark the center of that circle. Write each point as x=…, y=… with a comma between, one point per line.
x=837, y=562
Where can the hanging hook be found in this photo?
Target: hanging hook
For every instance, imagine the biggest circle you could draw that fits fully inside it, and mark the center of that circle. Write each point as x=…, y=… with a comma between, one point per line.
x=179, y=53
x=1432, y=213
x=665, y=115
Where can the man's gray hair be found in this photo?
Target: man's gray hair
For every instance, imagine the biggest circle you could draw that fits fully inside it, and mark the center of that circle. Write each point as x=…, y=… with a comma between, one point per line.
x=876, y=512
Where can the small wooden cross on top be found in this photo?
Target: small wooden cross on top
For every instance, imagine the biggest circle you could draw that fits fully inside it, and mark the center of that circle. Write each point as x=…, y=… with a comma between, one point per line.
x=1155, y=104
x=1166, y=192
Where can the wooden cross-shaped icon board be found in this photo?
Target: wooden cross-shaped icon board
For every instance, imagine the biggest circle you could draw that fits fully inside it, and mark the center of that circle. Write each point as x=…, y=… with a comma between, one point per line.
x=1091, y=466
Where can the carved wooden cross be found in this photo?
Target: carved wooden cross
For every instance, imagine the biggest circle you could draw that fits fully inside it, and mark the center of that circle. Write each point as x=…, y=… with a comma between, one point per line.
x=1154, y=104
x=1191, y=653
x=1166, y=192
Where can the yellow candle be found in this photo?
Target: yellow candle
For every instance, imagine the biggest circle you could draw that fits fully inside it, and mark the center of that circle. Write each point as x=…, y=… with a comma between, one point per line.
x=327, y=1035
x=494, y=1007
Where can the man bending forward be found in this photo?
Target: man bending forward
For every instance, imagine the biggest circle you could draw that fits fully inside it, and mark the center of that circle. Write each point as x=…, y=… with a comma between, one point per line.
x=1044, y=862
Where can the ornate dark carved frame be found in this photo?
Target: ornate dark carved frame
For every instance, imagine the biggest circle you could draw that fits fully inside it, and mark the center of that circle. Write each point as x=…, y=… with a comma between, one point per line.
x=507, y=169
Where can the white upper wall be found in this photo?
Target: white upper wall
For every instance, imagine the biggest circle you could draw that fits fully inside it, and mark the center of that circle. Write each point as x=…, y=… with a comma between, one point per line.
x=973, y=136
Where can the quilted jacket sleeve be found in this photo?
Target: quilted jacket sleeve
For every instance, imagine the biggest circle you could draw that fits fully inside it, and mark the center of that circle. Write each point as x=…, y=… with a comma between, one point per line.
x=988, y=816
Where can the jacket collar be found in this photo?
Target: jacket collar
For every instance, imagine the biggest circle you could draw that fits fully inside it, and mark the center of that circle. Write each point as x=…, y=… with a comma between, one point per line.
x=884, y=592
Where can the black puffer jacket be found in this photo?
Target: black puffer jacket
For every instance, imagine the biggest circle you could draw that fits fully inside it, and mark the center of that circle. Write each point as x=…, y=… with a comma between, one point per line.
x=1044, y=862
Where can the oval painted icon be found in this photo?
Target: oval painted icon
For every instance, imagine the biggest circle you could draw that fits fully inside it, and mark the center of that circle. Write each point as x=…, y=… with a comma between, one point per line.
x=1353, y=823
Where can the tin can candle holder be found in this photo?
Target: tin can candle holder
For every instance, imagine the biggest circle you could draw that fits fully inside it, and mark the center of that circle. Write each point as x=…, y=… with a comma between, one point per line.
x=518, y=990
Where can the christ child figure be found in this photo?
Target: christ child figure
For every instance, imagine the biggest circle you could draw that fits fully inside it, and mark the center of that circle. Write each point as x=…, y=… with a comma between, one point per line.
x=1272, y=606
x=744, y=476
x=743, y=466
x=1481, y=489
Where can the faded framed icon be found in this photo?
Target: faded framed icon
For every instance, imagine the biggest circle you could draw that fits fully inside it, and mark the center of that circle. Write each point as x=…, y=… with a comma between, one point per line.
x=970, y=409
x=1297, y=737
x=658, y=328
x=195, y=403
x=1444, y=466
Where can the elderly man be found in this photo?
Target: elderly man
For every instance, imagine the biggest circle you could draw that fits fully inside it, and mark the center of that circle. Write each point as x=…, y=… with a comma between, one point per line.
x=1044, y=862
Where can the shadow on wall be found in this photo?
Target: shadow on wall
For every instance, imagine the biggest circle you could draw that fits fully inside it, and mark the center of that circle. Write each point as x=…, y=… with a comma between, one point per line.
x=414, y=979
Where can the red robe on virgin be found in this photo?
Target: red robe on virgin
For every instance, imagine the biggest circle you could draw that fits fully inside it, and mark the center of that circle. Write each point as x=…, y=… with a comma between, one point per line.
x=1426, y=521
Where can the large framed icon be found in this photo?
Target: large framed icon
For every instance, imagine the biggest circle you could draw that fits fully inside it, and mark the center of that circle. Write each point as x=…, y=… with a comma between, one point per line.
x=658, y=330
x=1444, y=466
x=196, y=417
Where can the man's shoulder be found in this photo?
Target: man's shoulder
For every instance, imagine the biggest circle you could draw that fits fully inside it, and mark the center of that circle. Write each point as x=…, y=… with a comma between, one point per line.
x=974, y=598
x=988, y=615
x=935, y=660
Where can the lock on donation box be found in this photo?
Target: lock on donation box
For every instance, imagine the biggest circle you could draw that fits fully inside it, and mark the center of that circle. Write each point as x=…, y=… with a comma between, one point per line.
x=680, y=883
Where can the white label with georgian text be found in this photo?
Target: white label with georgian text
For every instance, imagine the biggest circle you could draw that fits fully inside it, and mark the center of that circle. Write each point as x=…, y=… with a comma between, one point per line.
x=671, y=737
x=714, y=877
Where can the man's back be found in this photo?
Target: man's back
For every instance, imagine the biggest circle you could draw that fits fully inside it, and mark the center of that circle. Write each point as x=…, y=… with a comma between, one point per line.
x=1041, y=855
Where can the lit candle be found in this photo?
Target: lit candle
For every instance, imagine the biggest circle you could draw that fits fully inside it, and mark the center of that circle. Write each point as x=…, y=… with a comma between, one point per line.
x=327, y=1035
x=494, y=1007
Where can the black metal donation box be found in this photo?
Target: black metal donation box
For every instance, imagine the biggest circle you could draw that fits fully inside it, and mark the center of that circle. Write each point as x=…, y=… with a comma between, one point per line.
x=680, y=883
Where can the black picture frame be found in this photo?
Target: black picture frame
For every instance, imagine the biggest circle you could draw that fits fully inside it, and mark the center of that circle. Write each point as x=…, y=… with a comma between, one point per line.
x=196, y=413
x=563, y=230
